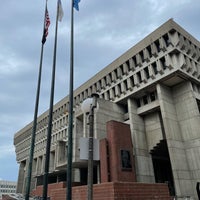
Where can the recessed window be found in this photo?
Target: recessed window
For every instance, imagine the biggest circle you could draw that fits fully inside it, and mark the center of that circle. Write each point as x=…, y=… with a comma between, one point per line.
x=154, y=66
x=152, y=96
x=149, y=50
x=157, y=45
x=145, y=100
x=139, y=77
x=146, y=71
x=138, y=102
x=198, y=104
x=163, y=63
x=166, y=39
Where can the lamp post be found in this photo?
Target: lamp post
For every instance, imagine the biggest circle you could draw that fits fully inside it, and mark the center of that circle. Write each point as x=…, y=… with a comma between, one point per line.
x=88, y=106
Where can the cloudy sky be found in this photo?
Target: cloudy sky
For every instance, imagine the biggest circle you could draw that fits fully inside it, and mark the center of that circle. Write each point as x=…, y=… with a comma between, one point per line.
x=103, y=31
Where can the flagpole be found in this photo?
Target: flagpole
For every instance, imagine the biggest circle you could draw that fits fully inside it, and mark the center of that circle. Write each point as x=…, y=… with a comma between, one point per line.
x=49, y=131
x=29, y=173
x=71, y=98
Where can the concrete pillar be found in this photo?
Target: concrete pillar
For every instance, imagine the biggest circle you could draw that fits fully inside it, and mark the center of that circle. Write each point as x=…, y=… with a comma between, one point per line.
x=189, y=118
x=76, y=175
x=21, y=174
x=175, y=143
x=143, y=161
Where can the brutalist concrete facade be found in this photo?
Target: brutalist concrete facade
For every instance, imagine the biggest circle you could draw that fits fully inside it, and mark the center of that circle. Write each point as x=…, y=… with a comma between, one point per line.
x=155, y=88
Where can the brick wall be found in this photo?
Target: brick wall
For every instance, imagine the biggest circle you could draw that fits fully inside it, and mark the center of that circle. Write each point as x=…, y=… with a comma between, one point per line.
x=51, y=188
x=104, y=161
x=112, y=151
x=124, y=191
x=7, y=197
x=114, y=191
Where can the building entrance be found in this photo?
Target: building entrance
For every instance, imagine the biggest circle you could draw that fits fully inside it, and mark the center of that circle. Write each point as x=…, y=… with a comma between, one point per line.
x=162, y=165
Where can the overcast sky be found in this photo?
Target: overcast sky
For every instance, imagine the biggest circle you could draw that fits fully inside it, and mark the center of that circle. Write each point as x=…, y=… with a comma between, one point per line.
x=104, y=29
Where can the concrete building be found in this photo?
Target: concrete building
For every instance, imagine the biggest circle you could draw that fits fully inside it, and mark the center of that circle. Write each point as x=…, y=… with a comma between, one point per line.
x=7, y=187
x=154, y=87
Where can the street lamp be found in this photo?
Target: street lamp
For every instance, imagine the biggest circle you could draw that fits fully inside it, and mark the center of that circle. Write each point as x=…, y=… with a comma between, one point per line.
x=88, y=106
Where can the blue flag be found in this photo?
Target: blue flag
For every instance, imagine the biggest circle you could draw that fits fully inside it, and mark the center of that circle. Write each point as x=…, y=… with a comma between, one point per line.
x=75, y=4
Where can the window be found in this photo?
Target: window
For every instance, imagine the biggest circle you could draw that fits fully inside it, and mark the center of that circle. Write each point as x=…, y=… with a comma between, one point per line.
x=145, y=100
x=152, y=96
x=163, y=63
x=138, y=102
x=139, y=77
x=157, y=45
x=149, y=50
x=134, y=61
x=154, y=66
x=146, y=71
x=166, y=39
x=198, y=104
x=141, y=55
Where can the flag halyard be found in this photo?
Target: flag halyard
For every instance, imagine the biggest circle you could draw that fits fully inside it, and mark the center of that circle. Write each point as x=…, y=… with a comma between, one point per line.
x=46, y=26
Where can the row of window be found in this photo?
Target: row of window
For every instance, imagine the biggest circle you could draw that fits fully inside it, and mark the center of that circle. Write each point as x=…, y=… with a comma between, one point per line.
x=136, y=79
x=188, y=47
x=7, y=186
x=38, y=163
x=131, y=65
x=22, y=137
x=57, y=113
x=146, y=99
x=152, y=50
x=23, y=144
x=41, y=144
x=23, y=147
x=41, y=130
x=133, y=81
x=61, y=122
x=7, y=191
x=190, y=66
x=136, y=61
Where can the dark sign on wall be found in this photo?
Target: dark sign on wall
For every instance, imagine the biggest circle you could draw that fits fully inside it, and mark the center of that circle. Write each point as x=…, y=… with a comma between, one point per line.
x=126, y=160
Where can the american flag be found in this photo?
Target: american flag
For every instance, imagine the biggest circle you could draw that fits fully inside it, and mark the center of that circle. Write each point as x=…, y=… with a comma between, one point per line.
x=46, y=26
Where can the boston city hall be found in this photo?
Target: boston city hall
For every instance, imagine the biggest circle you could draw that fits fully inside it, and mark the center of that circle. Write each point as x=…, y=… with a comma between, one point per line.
x=148, y=108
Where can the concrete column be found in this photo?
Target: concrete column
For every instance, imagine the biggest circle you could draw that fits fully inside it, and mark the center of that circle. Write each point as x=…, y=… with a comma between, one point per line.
x=189, y=121
x=76, y=175
x=177, y=153
x=80, y=130
x=25, y=176
x=21, y=174
x=144, y=166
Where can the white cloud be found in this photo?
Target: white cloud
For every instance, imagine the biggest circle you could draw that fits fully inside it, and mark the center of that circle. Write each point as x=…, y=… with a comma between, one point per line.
x=6, y=150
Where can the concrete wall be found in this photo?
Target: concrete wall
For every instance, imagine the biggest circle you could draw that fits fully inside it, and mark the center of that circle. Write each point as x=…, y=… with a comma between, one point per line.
x=105, y=112
x=153, y=130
